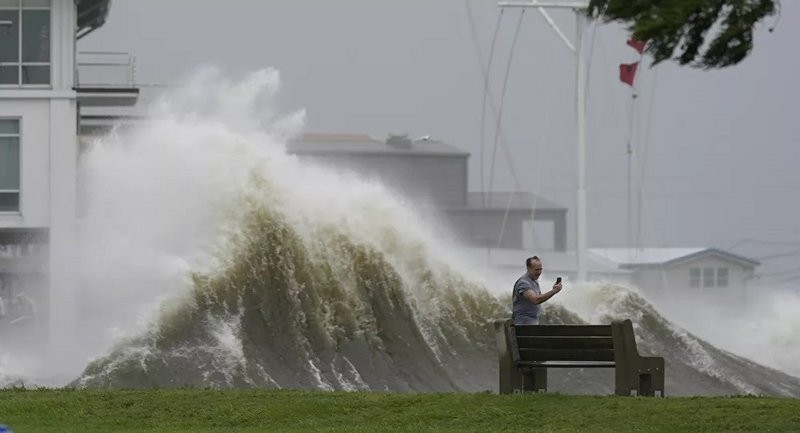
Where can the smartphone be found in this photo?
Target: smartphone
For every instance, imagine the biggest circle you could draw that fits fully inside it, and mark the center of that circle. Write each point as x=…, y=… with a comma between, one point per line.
x=558, y=280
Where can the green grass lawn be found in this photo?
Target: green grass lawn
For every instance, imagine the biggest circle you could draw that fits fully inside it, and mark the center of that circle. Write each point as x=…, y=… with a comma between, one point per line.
x=62, y=411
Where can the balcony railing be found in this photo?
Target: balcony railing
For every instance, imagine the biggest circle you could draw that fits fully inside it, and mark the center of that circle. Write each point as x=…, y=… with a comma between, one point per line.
x=106, y=69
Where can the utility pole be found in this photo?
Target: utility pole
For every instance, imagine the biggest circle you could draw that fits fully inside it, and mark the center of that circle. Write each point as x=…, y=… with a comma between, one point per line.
x=579, y=7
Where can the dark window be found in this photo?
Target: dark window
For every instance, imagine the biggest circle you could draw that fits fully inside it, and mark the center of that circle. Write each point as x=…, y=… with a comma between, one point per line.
x=694, y=277
x=722, y=277
x=708, y=277
x=24, y=24
x=9, y=165
x=9, y=36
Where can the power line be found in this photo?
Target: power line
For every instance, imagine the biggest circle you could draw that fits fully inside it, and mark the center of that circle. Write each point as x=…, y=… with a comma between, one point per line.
x=486, y=75
x=503, y=99
x=779, y=255
x=497, y=126
x=499, y=135
x=790, y=271
x=493, y=107
x=547, y=131
x=643, y=159
x=763, y=242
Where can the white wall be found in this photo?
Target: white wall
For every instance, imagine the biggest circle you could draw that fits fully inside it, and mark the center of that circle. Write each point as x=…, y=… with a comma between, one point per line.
x=48, y=142
x=672, y=283
x=34, y=115
x=48, y=158
x=63, y=22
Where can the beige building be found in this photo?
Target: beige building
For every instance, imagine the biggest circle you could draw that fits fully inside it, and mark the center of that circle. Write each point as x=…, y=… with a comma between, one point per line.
x=435, y=172
x=703, y=273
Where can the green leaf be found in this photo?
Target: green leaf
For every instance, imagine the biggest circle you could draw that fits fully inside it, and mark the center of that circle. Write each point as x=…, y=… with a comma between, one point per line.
x=703, y=33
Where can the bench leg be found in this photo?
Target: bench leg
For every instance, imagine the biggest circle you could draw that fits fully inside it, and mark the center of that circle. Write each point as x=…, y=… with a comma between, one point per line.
x=651, y=377
x=645, y=379
x=536, y=381
x=622, y=385
x=646, y=385
x=657, y=371
x=642, y=384
x=532, y=381
x=511, y=380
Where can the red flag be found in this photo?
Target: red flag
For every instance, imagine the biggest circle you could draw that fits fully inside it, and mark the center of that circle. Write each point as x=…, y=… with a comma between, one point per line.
x=627, y=72
x=636, y=45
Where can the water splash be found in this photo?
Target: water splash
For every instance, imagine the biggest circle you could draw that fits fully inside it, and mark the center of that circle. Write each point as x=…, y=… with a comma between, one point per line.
x=765, y=326
x=210, y=257
x=601, y=303
x=318, y=257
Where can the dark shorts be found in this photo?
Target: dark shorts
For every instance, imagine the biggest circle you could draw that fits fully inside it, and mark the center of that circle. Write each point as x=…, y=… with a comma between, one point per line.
x=525, y=320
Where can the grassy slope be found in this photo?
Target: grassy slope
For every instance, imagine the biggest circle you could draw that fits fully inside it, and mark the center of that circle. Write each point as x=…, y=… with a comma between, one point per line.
x=297, y=411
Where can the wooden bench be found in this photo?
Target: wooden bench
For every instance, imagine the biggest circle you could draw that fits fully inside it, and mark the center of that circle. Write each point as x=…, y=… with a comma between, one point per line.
x=526, y=352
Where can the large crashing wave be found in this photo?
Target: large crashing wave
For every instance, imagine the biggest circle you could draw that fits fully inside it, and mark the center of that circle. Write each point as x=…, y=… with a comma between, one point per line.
x=303, y=277
x=332, y=315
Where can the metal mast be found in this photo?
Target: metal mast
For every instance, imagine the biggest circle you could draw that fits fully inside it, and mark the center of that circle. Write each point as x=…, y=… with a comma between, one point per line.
x=580, y=106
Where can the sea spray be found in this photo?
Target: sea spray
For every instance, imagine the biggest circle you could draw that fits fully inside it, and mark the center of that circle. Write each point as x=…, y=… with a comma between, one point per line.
x=210, y=257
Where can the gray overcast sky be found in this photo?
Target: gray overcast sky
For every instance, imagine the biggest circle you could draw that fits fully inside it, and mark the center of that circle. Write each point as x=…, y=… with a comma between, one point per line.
x=718, y=149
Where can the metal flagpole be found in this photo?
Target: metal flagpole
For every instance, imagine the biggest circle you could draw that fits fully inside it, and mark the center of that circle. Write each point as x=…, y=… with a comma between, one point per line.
x=580, y=107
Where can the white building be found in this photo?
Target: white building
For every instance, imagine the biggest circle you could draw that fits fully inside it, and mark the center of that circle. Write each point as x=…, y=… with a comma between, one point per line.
x=682, y=274
x=662, y=274
x=40, y=99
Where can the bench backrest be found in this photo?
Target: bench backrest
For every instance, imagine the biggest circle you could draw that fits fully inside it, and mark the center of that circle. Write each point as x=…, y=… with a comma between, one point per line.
x=561, y=343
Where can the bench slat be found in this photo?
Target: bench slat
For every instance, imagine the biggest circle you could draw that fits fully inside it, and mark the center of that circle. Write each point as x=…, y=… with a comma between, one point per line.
x=566, y=354
x=559, y=342
x=563, y=330
x=529, y=365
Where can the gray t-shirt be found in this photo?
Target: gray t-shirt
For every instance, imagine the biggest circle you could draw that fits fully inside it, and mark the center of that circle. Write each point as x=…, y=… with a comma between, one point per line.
x=519, y=304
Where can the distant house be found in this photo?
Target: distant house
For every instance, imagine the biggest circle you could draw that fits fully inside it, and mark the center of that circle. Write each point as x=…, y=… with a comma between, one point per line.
x=662, y=272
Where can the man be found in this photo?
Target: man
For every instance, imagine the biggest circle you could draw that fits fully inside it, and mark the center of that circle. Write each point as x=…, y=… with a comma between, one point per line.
x=527, y=297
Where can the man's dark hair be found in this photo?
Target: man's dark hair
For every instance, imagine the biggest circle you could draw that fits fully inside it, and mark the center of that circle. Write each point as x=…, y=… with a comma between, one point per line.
x=529, y=261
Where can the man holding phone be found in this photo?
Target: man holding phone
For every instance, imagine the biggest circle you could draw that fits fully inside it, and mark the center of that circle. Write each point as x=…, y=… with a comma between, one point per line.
x=527, y=297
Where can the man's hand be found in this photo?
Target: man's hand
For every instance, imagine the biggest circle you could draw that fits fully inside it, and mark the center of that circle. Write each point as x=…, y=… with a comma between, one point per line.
x=531, y=296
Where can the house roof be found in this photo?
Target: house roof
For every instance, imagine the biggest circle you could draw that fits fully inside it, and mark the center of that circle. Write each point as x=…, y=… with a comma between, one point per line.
x=634, y=257
x=348, y=144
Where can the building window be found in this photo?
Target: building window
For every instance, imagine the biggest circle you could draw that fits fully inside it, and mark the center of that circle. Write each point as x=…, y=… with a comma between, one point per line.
x=9, y=165
x=695, y=277
x=24, y=42
x=722, y=277
x=708, y=277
